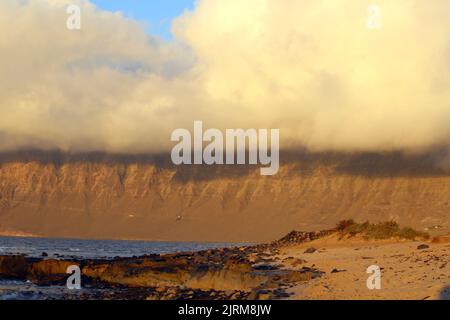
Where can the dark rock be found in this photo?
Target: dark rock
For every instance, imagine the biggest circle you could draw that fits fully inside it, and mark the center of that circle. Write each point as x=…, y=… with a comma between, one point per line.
x=295, y=237
x=264, y=266
x=44, y=254
x=337, y=270
x=259, y=295
x=298, y=262
x=310, y=250
x=423, y=247
x=13, y=267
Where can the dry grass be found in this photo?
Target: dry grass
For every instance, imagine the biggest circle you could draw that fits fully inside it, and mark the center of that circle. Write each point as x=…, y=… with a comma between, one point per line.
x=379, y=231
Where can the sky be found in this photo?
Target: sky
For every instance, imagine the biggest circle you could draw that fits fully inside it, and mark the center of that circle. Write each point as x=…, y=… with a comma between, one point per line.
x=156, y=13
x=313, y=69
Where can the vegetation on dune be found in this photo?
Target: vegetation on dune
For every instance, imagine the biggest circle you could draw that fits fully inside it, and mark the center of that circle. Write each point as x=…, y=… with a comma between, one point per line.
x=379, y=231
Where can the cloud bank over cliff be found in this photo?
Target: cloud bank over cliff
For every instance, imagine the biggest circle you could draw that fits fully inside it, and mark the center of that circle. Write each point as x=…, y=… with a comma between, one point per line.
x=311, y=68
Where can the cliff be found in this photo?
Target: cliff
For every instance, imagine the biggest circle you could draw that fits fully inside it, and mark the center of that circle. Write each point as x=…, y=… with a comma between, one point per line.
x=144, y=197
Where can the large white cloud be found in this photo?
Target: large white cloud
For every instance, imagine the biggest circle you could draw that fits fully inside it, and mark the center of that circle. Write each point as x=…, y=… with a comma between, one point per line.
x=309, y=67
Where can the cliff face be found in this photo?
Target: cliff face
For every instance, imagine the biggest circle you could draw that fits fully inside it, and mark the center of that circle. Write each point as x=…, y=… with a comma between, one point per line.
x=145, y=200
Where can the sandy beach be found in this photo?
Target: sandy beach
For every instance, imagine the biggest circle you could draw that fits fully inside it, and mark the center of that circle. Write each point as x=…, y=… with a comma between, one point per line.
x=407, y=272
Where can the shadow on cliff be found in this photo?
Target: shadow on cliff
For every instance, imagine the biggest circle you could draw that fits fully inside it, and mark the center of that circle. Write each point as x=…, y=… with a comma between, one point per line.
x=301, y=163
x=161, y=161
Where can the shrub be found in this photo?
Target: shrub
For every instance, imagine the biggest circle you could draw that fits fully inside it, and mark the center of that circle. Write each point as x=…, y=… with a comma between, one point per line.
x=383, y=230
x=344, y=224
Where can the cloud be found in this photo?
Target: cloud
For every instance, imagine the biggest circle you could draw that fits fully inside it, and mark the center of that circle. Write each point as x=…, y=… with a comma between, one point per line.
x=311, y=68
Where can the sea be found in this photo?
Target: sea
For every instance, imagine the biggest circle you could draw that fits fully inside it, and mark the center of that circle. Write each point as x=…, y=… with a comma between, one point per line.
x=98, y=249
x=82, y=249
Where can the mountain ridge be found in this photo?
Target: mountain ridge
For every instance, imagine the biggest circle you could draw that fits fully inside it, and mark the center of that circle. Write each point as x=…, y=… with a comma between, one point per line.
x=98, y=195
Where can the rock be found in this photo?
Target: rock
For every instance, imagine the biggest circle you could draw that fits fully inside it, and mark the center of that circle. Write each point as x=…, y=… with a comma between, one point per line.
x=280, y=293
x=290, y=258
x=337, y=270
x=44, y=254
x=234, y=296
x=310, y=250
x=298, y=262
x=13, y=267
x=264, y=266
x=259, y=295
x=300, y=237
x=423, y=247
x=160, y=289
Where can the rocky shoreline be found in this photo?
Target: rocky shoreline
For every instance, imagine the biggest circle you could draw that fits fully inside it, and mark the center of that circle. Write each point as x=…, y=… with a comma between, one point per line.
x=239, y=273
x=301, y=265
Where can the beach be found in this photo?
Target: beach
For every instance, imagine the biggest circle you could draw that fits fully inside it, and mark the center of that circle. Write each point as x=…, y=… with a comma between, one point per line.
x=302, y=265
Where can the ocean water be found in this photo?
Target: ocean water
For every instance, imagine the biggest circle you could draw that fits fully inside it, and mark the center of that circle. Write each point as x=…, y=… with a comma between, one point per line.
x=91, y=249
x=96, y=249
